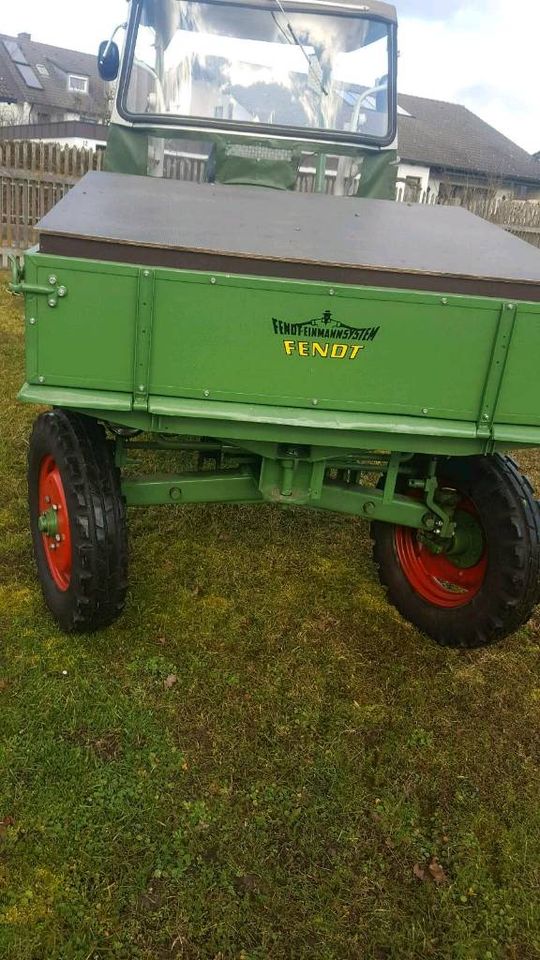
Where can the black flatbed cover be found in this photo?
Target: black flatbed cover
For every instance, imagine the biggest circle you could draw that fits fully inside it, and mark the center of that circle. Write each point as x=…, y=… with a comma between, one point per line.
x=247, y=230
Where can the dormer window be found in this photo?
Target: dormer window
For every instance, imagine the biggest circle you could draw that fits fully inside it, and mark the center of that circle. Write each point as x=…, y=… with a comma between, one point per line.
x=77, y=84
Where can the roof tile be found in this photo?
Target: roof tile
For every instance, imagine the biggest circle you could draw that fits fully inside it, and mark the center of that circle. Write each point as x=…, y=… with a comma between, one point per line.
x=55, y=94
x=451, y=137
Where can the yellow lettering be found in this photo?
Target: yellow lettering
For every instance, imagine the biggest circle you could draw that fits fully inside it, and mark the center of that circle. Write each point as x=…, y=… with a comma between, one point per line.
x=354, y=352
x=319, y=349
x=289, y=347
x=303, y=348
x=339, y=350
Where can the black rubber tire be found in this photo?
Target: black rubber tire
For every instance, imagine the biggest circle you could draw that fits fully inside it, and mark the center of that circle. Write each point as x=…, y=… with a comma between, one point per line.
x=97, y=521
x=510, y=519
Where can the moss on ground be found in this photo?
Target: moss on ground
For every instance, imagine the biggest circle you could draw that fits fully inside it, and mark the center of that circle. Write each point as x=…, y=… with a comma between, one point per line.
x=282, y=798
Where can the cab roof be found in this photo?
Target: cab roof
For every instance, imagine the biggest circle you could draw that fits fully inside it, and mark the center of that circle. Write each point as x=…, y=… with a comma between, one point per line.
x=375, y=8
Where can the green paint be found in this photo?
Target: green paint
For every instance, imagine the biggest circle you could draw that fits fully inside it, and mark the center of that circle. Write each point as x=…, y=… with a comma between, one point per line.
x=191, y=487
x=320, y=173
x=48, y=523
x=234, y=345
x=294, y=377
x=495, y=376
x=233, y=487
x=143, y=339
x=468, y=543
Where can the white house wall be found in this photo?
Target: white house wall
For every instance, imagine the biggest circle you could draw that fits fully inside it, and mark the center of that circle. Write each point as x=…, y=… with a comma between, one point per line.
x=414, y=170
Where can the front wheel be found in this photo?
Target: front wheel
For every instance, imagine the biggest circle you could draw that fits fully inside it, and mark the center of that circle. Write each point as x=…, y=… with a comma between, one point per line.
x=77, y=518
x=484, y=584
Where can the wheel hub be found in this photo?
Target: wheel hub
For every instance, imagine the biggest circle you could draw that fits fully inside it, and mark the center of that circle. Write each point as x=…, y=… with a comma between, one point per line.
x=48, y=521
x=53, y=523
x=446, y=574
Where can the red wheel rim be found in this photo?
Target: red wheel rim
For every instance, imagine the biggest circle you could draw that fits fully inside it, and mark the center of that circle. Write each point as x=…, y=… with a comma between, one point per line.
x=433, y=576
x=54, y=523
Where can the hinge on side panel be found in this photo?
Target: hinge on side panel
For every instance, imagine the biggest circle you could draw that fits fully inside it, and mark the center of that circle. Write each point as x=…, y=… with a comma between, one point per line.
x=143, y=339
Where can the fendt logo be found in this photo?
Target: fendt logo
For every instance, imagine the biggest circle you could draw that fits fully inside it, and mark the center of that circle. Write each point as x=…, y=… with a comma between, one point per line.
x=323, y=337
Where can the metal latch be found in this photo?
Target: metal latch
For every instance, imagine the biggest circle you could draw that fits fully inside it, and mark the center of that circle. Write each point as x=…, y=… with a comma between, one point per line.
x=18, y=286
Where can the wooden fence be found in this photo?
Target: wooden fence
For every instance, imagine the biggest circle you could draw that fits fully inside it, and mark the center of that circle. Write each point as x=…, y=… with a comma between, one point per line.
x=34, y=176
x=520, y=217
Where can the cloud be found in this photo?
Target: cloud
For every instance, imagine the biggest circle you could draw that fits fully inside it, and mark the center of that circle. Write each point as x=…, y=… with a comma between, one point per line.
x=427, y=10
x=64, y=23
x=485, y=57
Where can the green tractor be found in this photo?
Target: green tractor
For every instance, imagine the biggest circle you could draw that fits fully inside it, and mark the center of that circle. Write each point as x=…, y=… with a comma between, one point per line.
x=336, y=352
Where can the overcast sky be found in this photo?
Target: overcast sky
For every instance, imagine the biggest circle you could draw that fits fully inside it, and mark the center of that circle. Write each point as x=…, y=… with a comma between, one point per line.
x=481, y=53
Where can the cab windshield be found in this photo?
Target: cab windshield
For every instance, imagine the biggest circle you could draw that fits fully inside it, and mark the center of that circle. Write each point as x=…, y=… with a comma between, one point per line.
x=272, y=65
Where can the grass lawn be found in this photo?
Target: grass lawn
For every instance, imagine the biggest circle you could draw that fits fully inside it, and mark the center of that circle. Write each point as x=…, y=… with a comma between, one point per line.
x=284, y=796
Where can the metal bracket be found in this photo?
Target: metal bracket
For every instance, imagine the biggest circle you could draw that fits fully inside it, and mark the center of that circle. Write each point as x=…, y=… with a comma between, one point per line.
x=497, y=364
x=143, y=339
x=291, y=480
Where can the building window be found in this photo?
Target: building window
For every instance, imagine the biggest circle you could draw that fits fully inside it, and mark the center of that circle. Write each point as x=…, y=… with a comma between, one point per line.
x=413, y=190
x=77, y=84
x=42, y=69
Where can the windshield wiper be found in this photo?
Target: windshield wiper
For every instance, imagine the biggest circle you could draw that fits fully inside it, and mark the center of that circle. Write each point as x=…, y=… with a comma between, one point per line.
x=298, y=43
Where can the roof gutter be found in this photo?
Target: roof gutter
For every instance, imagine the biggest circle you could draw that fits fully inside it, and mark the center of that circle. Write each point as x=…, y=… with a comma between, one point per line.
x=480, y=174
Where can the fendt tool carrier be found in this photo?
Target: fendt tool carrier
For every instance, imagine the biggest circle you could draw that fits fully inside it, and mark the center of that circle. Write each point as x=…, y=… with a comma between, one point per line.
x=291, y=346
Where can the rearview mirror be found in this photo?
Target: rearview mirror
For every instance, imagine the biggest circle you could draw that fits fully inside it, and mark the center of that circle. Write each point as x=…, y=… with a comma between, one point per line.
x=108, y=60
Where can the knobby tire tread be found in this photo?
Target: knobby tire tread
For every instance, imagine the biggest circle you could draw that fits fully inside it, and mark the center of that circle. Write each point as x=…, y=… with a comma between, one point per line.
x=98, y=587
x=511, y=520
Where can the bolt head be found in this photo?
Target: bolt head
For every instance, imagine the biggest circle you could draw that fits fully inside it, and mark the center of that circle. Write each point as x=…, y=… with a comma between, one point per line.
x=61, y=291
x=146, y=273
x=47, y=499
x=206, y=393
x=212, y=279
x=52, y=546
x=32, y=321
x=331, y=291
x=41, y=379
x=58, y=538
x=444, y=300
x=52, y=302
x=425, y=410
x=314, y=402
x=52, y=280
x=55, y=506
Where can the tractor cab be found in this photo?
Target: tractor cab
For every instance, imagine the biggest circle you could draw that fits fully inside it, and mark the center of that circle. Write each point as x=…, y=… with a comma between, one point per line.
x=249, y=92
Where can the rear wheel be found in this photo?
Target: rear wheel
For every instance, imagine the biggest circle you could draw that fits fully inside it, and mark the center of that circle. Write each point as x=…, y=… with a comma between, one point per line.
x=482, y=585
x=78, y=522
